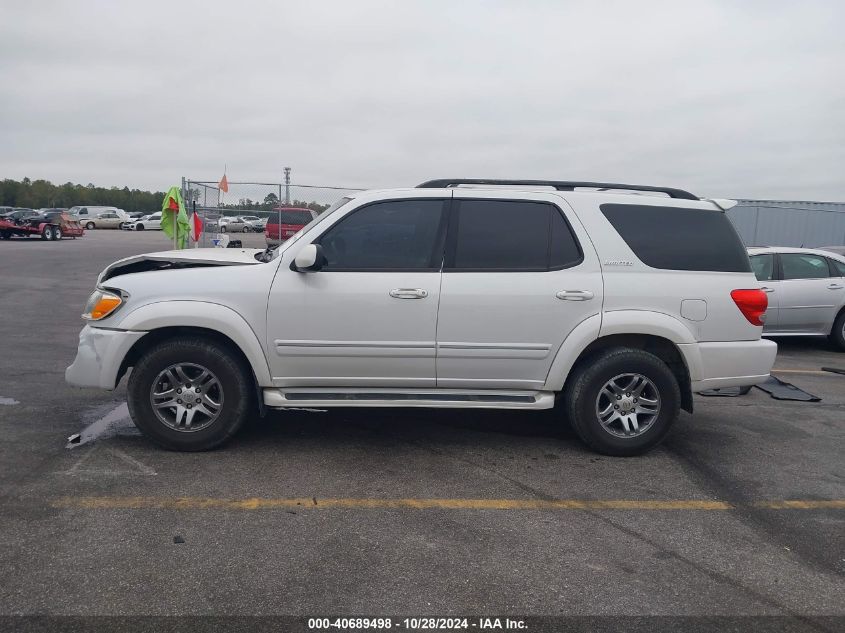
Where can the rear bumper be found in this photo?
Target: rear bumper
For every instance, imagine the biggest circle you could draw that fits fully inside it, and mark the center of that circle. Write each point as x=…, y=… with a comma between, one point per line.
x=99, y=356
x=729, y=364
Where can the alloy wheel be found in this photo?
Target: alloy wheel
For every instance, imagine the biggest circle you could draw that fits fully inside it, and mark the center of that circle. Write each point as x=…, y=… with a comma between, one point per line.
x=627, y=405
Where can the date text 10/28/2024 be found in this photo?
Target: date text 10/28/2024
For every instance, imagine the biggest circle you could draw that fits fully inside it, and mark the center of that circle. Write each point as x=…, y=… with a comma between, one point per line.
x=416, y=624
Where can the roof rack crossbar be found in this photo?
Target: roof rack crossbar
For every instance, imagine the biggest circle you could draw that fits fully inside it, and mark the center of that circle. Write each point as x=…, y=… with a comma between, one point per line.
x=560, y=185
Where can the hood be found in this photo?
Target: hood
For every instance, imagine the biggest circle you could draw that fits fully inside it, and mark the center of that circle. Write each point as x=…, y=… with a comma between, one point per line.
x=188, y=258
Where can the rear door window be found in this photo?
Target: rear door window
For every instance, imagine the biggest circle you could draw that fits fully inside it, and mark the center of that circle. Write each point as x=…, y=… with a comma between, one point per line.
x=509, y=235
x=763, y=266
x=679, y=238
x=804, y=266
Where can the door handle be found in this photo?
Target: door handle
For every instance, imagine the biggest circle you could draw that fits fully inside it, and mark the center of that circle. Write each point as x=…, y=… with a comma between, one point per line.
x=835, y=287
x=408, y=293
x=767, y=289
x=575, y=295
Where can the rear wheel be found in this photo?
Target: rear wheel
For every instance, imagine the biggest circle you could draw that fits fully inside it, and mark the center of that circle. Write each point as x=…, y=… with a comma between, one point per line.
x=837, y=335
x=46, y=232
x=623, y=402
x=246, y=229
x=190, y=395
x=57, y=233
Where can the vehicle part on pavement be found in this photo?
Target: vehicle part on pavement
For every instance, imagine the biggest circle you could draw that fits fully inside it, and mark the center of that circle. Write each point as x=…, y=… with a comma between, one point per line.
x=780, y=390
x=727, y=392
x=834, y=370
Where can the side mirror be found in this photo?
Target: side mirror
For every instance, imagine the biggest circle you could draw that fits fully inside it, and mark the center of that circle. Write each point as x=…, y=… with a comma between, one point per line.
x=310, y=259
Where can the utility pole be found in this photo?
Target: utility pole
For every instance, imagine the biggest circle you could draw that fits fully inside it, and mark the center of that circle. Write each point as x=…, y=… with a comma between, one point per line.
x=287, y=185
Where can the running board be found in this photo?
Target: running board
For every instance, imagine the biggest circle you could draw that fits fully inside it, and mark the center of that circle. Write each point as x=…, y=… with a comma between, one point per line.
x=433, y=398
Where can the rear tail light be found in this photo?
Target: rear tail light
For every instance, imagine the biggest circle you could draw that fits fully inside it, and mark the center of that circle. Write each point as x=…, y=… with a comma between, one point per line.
x=752, y=303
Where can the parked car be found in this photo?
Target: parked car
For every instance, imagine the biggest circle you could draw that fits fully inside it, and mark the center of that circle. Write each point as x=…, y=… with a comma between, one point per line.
x=99, y=217
x=4, y=211
x=839, y=250
x=283, y=223
x=617, y=306
x=253, y=223
x=150, y=222
x=806, y=289
x=19, y=215
x=233, y=224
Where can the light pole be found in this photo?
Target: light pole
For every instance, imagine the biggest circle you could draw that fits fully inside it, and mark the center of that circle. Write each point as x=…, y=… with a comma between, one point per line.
x=287, y=185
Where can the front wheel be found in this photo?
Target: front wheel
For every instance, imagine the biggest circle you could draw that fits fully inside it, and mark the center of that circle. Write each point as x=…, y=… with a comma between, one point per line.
x=89, y=226
x=46, y=233
x=246, y=229
x=190, y=395
x=139, y=227
x=623, y=402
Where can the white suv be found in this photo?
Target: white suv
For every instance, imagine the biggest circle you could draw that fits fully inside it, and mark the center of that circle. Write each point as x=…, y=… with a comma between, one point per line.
x=499, y=294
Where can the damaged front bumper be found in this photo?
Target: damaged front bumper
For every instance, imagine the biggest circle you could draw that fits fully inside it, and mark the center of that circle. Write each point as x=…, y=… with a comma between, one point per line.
x=99, y=356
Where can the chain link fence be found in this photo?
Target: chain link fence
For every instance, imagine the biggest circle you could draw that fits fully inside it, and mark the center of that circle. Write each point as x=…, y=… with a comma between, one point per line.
x=256, y=199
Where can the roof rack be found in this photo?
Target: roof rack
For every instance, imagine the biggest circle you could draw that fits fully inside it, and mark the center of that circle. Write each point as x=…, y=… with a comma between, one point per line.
x=560, y=185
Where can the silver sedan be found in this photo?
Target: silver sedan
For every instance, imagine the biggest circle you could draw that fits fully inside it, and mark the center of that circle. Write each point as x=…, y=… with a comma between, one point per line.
x=806, y=289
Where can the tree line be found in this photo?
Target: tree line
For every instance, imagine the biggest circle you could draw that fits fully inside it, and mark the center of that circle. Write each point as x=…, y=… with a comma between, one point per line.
x=37, y=194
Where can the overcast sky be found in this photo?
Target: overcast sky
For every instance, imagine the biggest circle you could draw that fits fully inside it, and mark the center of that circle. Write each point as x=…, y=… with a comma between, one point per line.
x=730, y=99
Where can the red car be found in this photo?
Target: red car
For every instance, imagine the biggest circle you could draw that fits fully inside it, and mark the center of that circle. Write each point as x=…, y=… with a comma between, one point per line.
x=284, y=222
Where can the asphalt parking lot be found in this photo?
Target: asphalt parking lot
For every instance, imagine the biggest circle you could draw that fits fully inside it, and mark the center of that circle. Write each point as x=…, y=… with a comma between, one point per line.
x=740, y=512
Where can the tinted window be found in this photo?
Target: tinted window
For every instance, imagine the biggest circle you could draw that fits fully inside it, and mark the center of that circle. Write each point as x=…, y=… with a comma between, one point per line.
x=290, y=217
x=763, y=266
x=839, y=267
x=563, y=250
x=510, y=235
x=803, y=266
x=679, y=238
x=394, y=235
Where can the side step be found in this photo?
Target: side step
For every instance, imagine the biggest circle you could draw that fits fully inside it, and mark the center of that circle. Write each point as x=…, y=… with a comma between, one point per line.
x=434, y=398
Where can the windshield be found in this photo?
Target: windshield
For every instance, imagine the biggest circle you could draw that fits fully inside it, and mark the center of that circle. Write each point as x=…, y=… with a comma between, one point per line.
x=325, y=214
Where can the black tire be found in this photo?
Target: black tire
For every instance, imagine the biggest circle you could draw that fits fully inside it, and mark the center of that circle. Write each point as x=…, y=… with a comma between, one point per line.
x=246, y=229
x=46, y=233
x=6, y=235
x=57, y=233
x=588, y=378
x=837, y=334
x=139, y=227
x=235, y=379
x=89, y=226
x=223, y=229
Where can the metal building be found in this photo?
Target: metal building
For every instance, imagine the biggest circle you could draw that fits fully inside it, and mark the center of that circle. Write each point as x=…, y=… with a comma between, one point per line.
x=789, y=223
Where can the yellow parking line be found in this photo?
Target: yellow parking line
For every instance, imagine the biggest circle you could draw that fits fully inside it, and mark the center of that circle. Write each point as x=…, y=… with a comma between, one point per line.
x=206, y=503
x=798, y=504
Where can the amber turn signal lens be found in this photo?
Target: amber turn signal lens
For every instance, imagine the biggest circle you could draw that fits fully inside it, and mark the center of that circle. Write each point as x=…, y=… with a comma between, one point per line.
x=101, y=304
x=104, y=307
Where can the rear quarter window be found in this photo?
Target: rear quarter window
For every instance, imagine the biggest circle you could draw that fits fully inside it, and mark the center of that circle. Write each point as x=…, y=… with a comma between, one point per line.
x=679, y=238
